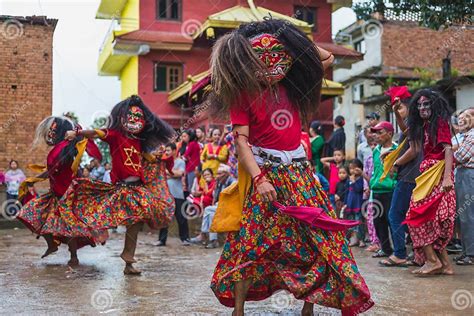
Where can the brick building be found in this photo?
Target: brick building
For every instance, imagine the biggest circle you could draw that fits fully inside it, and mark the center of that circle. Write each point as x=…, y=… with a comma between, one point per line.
x=397, y=51
x=26, y=82
x=159, y=49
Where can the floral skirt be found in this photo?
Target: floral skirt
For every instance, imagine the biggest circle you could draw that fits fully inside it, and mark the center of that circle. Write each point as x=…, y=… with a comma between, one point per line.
x=48, y=215
x=278, y=252
x=438, y=231
x=155, y=180
x=102, y=205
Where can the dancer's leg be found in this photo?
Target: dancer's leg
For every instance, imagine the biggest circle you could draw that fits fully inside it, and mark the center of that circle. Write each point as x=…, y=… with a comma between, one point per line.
x=240, y=291
x=52, y=246
x=447, y=266
x=432, y=264
x=308, y=309
x=129, y=248
x=74, y=261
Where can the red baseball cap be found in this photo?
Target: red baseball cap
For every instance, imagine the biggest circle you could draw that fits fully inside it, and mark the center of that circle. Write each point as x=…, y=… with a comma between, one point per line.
x=383, y=125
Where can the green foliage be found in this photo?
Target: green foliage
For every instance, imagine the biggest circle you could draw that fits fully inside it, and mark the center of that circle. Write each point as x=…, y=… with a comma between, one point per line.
x=434, y=14
x=72, y=116
x=454, y=72
x=389, y=82
x=101, y=122
x=427, y=77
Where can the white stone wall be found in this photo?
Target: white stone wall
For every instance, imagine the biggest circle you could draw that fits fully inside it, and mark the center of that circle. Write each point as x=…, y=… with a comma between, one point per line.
x=464, y=96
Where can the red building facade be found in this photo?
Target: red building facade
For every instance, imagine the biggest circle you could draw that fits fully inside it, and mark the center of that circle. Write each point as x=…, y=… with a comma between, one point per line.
x=174, y=39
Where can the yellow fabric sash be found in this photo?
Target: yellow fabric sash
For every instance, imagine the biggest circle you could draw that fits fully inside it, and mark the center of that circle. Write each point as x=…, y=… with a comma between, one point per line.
x=390, y=160
x=149, y=157
x=428, y=180
x=100, y=133
x=37, y=168
x=81, y=148
x=23, y=190
x=231, y=203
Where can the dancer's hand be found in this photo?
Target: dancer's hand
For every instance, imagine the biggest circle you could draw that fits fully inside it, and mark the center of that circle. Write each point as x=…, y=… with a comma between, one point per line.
x=266, y=191
x=396, y=104
x=393, y=171
x=447, y=184
x=70, y=135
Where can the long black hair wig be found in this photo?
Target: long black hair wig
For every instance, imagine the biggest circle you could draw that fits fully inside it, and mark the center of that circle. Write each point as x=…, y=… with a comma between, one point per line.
x=63, y=125
x=440, y=109
x=156, y=131
x=235, y=65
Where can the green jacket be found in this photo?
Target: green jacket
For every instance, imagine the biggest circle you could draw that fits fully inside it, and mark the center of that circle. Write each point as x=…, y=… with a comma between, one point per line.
x=388, y=184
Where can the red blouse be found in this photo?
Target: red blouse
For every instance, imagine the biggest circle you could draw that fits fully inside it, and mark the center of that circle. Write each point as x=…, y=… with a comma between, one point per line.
x=60, y=175
x=436, y=151
x=192, y=155
x=126, y=156
x=272, y=125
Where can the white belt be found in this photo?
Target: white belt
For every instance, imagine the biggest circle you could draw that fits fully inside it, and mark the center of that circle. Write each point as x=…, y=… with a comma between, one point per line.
x=286, y=156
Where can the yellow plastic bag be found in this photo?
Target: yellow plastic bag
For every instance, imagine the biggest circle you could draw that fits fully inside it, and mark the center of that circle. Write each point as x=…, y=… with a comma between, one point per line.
x=231, y=201
x=427, y=181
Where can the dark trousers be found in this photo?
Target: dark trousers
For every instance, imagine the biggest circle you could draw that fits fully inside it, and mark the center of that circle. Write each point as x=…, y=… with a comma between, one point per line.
x=397, y=214
x=381, y=207
x=182, y=224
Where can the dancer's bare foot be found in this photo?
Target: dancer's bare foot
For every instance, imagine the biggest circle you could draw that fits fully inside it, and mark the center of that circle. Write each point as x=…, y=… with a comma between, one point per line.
x=429, y=268
x=447, y=266
x=447, y=271
x=49, y=251
x=130, y=270
x=73, y=262
x=127, y=259
x=308, y=309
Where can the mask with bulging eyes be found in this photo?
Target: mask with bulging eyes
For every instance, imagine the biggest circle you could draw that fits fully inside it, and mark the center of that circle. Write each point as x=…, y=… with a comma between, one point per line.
x=273, y=54
x=424, y=107
x=135, y=122
x=52, y=132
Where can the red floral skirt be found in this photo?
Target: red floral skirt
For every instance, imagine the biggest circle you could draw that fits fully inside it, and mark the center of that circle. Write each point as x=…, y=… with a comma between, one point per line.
x=278, y=252
x=439, y=230
x=48, y=215
x=155, y=180
x=101, y=205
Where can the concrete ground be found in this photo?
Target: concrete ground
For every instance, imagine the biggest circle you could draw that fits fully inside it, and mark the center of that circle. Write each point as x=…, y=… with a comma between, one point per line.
x=175, y=281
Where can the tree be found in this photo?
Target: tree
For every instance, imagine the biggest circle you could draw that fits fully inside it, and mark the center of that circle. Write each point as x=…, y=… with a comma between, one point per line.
x=101, y=122
x=72, y=116
x=433, y=13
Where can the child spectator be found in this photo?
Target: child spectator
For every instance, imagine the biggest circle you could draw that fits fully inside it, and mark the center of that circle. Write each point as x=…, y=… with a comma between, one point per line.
x=341, y=188
x=353, y=203
x=333, y=163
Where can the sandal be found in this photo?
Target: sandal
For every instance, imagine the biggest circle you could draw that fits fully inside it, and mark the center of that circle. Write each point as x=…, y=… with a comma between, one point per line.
x=389, y=262
x=379, y=254
x=466, y=261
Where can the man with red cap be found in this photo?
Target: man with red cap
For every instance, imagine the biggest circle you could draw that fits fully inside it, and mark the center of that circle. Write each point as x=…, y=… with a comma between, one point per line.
x=382, y=190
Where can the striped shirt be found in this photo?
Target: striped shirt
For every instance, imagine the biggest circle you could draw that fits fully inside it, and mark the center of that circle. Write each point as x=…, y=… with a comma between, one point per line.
x=465, y=153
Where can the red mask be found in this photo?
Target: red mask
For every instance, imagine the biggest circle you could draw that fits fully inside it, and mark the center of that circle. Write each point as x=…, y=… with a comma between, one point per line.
x=272, y=53
x=51, y=136
x=135, y=120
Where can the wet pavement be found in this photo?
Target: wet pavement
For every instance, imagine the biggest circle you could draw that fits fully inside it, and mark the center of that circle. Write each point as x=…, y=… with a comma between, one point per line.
x=175, y=281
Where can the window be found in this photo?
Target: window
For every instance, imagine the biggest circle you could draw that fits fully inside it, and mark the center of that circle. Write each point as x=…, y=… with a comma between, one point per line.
x=167, y=77
x=168, y=9
x=357, y=92
x=360, y=46
x=307, y=14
